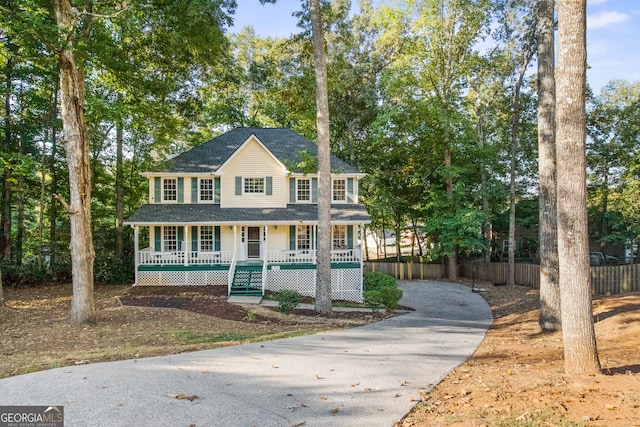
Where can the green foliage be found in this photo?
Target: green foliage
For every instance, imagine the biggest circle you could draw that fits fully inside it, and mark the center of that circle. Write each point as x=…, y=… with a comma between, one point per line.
x=112, y=269
x=26, y=275
x=380, y=288
x=288, y=300
x=250, y=316
x=308, y=162
x=376, y=281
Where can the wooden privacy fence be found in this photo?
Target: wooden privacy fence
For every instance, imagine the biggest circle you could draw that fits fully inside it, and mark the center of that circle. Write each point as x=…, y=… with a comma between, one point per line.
x=609, y=280
x=614, y=279
x=407, y=271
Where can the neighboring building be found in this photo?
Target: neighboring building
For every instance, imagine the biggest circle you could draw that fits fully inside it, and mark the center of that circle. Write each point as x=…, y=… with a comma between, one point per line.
x=232, y=212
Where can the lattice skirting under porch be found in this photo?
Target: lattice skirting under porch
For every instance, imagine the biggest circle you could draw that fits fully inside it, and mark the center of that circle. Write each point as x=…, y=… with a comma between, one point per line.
x=182, y=278
x=346, y=283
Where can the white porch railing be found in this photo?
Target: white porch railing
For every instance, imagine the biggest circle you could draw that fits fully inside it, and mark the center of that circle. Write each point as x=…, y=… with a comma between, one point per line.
x=148, y=257
x=309, y=256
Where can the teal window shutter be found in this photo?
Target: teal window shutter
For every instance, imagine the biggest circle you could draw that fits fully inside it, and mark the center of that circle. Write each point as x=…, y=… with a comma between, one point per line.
x=314, y=190
x=350, y=191
x=194, y=238
x=216, y=233
x=157, y=243
x=180, y=190
x=216, y=190
x=269, y=186
x=292, y=190
x=292, y=237
x=157, y=188
x=238, y=185
x=350, y=236
x=180, y=238
x=194, y=190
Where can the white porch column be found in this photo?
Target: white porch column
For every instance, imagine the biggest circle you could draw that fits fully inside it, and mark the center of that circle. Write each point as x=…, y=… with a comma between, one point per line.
x=136, y=255
x=186, y=248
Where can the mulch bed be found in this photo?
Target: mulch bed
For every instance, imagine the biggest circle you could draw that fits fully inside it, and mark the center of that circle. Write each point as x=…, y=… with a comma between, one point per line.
x=212, y=301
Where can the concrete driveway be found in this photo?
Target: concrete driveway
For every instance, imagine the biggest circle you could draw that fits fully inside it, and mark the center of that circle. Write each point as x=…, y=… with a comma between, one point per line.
x=366, y=376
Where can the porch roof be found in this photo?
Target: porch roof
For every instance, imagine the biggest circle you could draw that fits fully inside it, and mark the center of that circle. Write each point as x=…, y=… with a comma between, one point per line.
x=201, y=213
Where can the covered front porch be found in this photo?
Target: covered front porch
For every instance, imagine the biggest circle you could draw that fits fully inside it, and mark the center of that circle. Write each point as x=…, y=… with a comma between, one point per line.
x=260, y=258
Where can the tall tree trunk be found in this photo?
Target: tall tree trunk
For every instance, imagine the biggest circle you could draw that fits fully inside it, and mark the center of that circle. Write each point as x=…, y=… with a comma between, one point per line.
x=550, y=317
x=77, y=149
x=452, y=260
x=580, y=352
x=119, y=191
x=20, y=220
x=487, y=226
x=323, y=275
x=515, y=125
x=53, y=208
x=5, y=221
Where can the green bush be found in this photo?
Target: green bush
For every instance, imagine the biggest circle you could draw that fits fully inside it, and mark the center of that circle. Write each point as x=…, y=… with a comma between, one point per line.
x=112, y=269
x=380, y=288
x=375, y=280
x=287, y=301
x=391, y=296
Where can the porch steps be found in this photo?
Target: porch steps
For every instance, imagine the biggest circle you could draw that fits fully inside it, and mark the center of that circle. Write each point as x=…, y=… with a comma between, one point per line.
x=247, y=280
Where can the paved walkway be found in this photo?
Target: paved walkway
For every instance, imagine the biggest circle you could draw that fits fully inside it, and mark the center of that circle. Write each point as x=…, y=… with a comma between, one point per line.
x=366, y=376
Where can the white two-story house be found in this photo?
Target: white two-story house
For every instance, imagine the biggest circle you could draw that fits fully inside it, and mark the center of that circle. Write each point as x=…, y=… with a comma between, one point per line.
x=232, y=212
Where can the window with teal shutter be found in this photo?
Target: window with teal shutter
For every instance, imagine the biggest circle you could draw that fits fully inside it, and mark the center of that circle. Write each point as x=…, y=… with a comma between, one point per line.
x=157, y=243
x=292, y=237
x=269, y=186
x=350, y=191
x=216, y=232
x=238, y=185
x=216, y=190
x=314, y=190
x=157, y=187
x=180, y=238
x=180, y=190
x=194, y=190
x=350, y=236
x=194, y=239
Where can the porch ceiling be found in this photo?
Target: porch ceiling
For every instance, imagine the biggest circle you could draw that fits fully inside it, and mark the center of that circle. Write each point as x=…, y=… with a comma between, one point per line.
x=155, y=214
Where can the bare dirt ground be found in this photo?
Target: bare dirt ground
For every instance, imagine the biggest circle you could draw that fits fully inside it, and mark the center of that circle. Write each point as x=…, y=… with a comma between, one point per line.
x=515, y=378
x=140, y=322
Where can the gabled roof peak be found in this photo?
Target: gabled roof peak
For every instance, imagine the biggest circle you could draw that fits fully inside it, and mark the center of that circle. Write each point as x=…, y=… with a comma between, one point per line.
x=285, y=145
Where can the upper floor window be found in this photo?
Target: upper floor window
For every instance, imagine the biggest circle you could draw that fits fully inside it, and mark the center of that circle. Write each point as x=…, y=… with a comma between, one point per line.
x=206, y=190
x=254, y=185
x=169, y=189
x=339, y=190
x=304, y=190
x=206, y=238
x=339, y=237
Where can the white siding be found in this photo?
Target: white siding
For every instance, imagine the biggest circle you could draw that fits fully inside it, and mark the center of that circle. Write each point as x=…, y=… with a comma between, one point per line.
x=278, y=238
x=253, y=161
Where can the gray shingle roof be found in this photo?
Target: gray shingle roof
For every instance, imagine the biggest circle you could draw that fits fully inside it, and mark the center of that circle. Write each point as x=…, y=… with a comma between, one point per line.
x=284, y=144
x=212, y=214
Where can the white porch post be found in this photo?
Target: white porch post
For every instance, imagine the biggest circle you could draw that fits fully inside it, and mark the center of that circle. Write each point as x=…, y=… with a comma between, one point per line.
x=185, y=247
x=136, y=259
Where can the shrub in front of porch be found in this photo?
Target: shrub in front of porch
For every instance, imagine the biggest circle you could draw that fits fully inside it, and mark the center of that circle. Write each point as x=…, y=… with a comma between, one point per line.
x=288, y=300
x=380, y=288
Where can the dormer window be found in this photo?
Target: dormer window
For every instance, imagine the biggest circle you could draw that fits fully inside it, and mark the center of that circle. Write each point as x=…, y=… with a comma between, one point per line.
x=169, y=189
x=339, y=190
x=254, y=185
